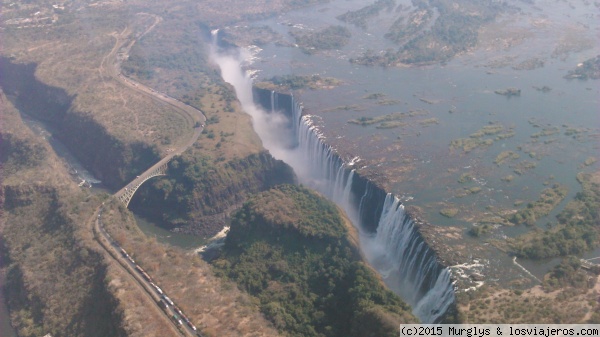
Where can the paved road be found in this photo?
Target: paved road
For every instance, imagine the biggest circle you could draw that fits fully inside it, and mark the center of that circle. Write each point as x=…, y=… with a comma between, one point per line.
x=111, y=66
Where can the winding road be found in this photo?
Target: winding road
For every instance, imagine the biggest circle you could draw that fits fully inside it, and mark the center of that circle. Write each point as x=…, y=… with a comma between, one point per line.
x=110, y=66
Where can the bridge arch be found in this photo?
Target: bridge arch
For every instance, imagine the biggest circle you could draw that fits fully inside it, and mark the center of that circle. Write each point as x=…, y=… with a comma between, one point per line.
x=128, y=191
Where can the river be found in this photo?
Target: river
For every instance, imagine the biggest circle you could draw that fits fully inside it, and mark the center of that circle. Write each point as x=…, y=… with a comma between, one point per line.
x=81, y=175
x=548, y=133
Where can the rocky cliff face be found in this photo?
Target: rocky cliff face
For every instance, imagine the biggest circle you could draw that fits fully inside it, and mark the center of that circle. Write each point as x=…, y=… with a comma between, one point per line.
x=55, y=279
x=198, y=194
x=56, y=282
x=110, y=159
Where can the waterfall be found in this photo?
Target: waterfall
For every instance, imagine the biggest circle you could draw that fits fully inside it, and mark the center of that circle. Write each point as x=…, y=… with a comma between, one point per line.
x=389, y=239
x=423, y=281
x=273, y=108
x=396, y=249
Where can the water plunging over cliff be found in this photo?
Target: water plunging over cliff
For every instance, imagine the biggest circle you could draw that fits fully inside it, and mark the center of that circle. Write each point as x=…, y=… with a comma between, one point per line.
x=390, y=240
x=389, y=237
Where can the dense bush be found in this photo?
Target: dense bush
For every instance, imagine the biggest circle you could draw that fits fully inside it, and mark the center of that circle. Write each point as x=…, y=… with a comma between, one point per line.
x=576, y=232
x=568, y=274
x=289, y=248
x=197, y=187
x=425, y=38
x=359, y=17
x=334, y=37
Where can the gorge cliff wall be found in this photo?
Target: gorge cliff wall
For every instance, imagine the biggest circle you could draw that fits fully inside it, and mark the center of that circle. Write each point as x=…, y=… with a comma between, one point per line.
x=109, y=158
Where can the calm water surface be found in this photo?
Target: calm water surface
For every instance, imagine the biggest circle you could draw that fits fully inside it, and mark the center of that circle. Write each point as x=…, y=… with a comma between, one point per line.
x=459, y=96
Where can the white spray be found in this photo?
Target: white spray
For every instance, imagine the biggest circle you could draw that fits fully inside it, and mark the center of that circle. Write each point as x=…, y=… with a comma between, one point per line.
x=403, y=260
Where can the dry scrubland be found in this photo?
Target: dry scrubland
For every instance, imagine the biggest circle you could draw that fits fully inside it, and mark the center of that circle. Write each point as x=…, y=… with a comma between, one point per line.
x=71, y=54
x=54, y=269
x=61, y=281
x=215, y=306
x=561, y=304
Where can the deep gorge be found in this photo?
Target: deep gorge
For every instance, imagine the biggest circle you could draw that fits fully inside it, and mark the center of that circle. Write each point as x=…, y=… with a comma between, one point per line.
x=389, y=232
x=112, y=160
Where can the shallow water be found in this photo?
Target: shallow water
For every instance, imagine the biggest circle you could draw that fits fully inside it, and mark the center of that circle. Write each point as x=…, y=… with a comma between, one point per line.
x=416, y=159
x=162, y=235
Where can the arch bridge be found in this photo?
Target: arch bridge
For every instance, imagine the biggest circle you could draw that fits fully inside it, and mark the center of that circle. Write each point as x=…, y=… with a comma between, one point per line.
x=126, y=193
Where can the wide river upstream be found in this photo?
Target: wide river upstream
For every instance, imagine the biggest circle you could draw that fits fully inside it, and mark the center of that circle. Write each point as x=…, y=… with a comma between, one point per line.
x=544, y=136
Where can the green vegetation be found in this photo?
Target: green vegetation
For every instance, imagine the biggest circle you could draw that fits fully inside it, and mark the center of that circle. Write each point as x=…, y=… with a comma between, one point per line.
x=590, y=161
x=389, y=120
x=403, y=29
x=375, y=95
x=353, y=107
x=463, y=192
x=477, y=140
x=549, y=199
x=391, y=125
x=295, y=82
x=333, y=37
x=508, y=92
x=474, y=189
x=214, y=305
x=569, y=274
x=530, y=64
x=577, y=229
x=449, y=212
x=504, y=156
x=198, y=189
x=479, y=230
x=381, y=100
x=492, y=129
x=429, y=121
x=388, y=102
x=422, y=40
x=589, y=69
x=465, y=178
x=523, y=166
x=360, y=17
x=543, y=89
x=546, y=132
x=290, y=249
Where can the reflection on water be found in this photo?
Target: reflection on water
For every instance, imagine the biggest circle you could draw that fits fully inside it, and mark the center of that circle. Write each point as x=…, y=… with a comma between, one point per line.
x=185, y=241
